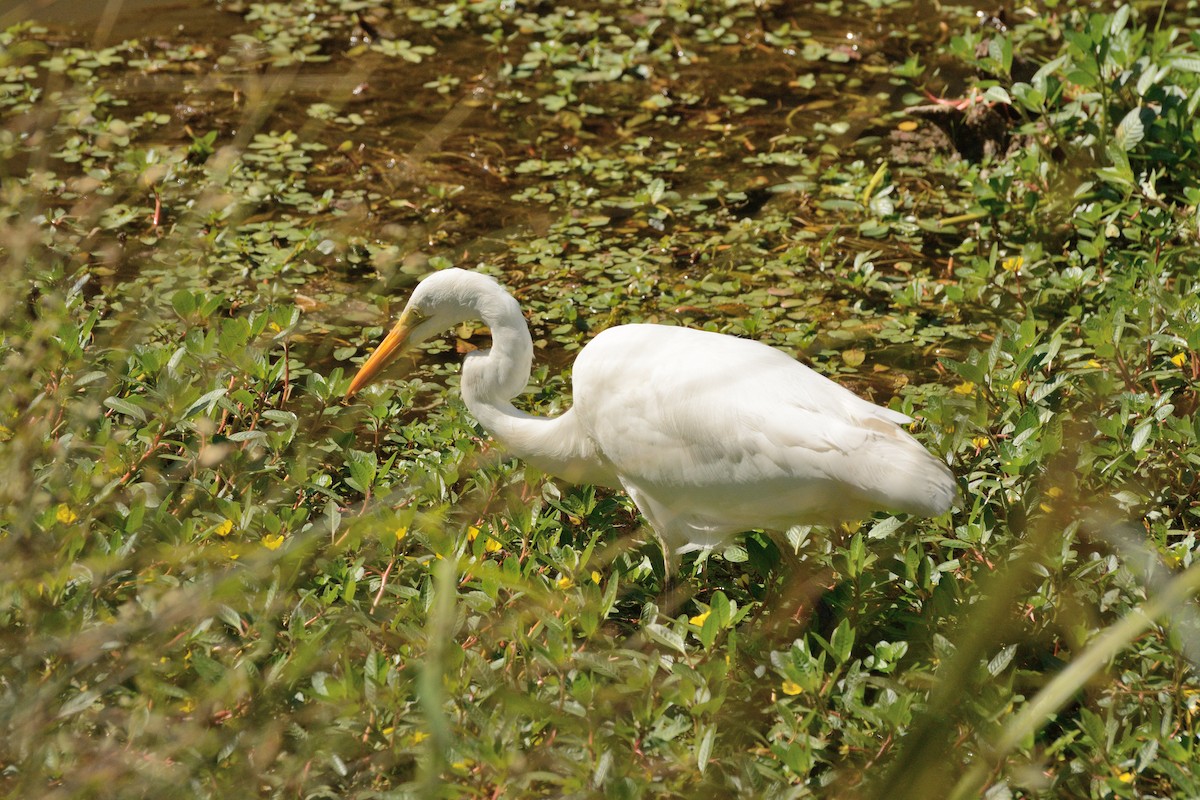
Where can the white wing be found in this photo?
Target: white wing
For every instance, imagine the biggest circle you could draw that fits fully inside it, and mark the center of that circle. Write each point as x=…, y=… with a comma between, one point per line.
x=712, y=435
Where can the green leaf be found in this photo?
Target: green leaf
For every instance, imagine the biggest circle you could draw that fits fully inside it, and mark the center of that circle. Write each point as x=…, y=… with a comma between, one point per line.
x=709, y=629
x=721, y=608
x=997, y=94
x=78, y=703
x=884, y=528
x=282, y=417
x=91, y=377
x=1119, y=20
x=137, y=513
x=1039, y=79
x=1130, y=130
x=205, y=402
x=125, y=407
x=665, y=636
x=184, y=302
x=841, y=643
x=247, y=436
x=1141, y=435
x=705, y=747
x=1001, y=660
x=856, y=556
x=230, y=617
x=735, y=554
x=1186, y=63
x=363, y=467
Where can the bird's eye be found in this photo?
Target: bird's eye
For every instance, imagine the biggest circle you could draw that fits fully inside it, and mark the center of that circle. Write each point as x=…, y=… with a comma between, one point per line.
x=417, y=314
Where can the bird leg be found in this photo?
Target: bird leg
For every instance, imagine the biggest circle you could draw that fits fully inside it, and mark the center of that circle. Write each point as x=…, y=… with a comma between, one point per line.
x=675, y=593
x=670, y=569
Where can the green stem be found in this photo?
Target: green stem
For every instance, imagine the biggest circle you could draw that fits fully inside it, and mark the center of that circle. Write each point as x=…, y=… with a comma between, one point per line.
x=1038, y=711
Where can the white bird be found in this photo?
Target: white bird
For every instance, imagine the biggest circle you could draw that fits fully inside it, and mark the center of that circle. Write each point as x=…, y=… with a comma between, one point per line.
x=709, y=434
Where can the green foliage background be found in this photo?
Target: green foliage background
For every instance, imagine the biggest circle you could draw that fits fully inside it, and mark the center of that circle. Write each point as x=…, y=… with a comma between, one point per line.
x=219, y=578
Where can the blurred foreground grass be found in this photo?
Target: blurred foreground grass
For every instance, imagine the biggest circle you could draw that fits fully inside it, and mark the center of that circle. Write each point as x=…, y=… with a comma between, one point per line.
x=218, y=579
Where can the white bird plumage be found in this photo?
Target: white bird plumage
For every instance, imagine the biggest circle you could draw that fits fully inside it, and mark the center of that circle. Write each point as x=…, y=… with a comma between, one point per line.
x=709, y=434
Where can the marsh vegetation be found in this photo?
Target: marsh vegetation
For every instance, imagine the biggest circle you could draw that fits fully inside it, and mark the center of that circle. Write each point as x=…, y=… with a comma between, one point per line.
x=217, y=578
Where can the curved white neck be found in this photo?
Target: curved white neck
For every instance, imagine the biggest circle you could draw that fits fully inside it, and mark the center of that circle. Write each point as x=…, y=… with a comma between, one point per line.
x=492, y=378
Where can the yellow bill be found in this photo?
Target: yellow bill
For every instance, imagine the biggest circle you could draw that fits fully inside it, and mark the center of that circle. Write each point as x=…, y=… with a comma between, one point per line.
x=391, y=346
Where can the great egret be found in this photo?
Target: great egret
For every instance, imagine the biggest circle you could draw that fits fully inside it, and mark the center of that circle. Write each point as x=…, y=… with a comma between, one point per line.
x=711, y=435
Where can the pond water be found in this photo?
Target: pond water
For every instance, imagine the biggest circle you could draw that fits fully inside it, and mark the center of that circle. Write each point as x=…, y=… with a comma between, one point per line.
x=105, y=21
x=835, y=63
x=692, y=163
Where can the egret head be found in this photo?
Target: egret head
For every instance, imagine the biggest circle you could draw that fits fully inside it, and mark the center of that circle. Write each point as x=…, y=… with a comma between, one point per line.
x=440, y=301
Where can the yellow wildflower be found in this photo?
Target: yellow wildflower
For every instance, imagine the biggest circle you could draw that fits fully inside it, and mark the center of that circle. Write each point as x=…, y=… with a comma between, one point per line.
x=1052, y=493
x=1019, y=385
x=1179, y=359
x=272, y=541
x=472, y=533
x=792, y=688
x=980, y=442
x=564, y=583
x=401, y=533
x=595, y=577
x=491, y=545
x=419, y=736
x=65, y=515
x=1094, y=364
x=224, y=528
x=1012, y=264
x=699, y=618
x=965, y=388
x=1126, y=777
